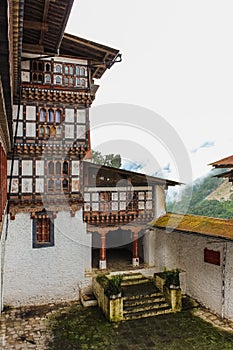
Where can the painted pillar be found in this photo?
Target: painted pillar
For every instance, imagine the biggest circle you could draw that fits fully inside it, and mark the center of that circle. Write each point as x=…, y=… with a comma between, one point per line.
x=135, y=249
x=103, y=259
x=136, y=260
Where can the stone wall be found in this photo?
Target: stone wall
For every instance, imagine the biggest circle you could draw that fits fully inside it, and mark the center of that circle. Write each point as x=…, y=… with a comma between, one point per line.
x=203, y=280
x=42, y=275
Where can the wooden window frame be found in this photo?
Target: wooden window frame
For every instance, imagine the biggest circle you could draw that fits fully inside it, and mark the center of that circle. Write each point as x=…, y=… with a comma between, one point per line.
x=43, y=223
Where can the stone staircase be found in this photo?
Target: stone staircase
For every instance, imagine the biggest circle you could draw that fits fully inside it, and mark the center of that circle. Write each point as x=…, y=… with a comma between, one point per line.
x=141, y=298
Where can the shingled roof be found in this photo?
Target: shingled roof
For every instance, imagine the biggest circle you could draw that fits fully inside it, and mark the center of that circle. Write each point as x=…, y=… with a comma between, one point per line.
x=223, y=163
x=203, y=225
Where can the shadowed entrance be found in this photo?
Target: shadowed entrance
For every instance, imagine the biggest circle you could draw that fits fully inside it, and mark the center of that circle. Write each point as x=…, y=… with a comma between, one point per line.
x=119, y=250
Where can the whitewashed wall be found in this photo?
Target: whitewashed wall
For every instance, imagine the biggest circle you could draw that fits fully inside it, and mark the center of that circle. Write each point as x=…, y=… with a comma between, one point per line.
x=34, y=276
x=203, y=280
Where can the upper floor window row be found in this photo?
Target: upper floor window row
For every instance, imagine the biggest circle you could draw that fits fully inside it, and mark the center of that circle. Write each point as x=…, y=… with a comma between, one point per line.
x=58, y=73
x=50, y=115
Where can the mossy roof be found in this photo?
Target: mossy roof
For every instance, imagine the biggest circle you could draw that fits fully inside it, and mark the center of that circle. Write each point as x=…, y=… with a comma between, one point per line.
x=221, y=228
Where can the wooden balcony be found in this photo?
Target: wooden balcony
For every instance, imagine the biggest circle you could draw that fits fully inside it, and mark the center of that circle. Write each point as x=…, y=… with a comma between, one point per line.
x=117, y=218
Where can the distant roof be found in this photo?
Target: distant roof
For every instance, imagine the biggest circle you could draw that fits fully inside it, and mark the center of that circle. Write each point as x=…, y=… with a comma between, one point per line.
x=223, y=163
x=108, y=176
x=203, y=225
x=228, y=174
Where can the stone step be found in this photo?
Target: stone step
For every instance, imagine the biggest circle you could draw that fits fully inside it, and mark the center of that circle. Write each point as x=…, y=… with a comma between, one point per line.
x=141, y=314
x=131, y=276
x=134, y=281
x=143, y=300
x=143, y=296
x=145, y=307
x=140, y=290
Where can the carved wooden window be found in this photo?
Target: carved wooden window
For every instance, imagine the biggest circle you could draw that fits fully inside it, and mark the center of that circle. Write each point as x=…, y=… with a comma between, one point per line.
x=50, y=118
x=57, y=175
x=132, y=201
x=37, y=74
x=66, y=74
x=105, y=203
x=43, y=230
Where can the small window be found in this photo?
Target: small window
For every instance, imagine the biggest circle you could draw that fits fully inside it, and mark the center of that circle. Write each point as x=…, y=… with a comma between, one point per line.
x=71, y=70
x=51, y=116
x=34, y=77
x=58, y=131
x=66, y=81
x=82, y=71
x=51, y=168
x=65, y=184
x=58, y=80
x=34, y=66
x=40, y=66
x=71, y=81
x=66, y=69
x=42, y=115
x=50, y=185
x=40, y=78
x=58, y=116
x=83, y=82
x=58, y=168
x=58, y=68
x=78, y=82
x=47, y=67
x=41, y=131
x=47, y=131
x=77, y=71
x=47, y=78
x=65, y=168
x=43, y=230
x=58, y=185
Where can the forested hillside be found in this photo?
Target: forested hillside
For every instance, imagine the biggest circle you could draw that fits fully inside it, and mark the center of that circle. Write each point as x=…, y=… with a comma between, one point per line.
x=210, y=197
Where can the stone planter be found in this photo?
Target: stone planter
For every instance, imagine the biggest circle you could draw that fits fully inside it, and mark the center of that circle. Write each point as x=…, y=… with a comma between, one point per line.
x=112, y=306
x=172, y=293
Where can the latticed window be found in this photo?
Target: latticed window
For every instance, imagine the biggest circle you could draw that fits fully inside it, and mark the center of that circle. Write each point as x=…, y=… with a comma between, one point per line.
x=49, y=121
x=43, y=230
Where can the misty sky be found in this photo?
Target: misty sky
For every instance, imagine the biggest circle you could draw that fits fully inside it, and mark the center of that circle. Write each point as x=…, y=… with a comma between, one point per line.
x=177, y=62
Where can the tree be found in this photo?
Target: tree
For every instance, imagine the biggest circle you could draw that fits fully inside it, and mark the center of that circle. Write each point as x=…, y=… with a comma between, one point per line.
x=111, y=160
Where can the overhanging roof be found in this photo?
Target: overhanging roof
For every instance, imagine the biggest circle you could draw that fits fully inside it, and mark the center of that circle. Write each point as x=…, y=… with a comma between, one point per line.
x=108, y=176
x=100, y=57
x=219, y=228
x=44, y=25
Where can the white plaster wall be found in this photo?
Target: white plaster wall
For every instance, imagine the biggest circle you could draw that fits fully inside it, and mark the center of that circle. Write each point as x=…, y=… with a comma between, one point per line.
x=228, y=309
x=159, y=201
x=42, y=275
x=203, y=280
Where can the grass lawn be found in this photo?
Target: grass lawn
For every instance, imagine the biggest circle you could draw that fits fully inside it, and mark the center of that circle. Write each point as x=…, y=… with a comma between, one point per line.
x=86, y=328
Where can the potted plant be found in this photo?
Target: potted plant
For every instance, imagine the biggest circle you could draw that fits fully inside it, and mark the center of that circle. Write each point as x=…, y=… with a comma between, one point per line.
x=172, y=278
x=113, y=289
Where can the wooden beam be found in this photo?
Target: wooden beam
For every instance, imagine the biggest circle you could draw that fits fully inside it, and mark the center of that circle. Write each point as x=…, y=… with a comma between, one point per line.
x=36, y=25
x=45, y=18
x=33, y=48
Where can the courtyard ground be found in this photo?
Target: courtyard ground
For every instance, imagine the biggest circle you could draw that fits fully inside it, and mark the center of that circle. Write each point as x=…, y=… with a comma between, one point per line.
x=72, y=327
